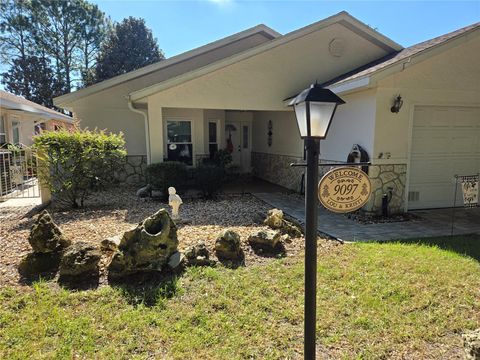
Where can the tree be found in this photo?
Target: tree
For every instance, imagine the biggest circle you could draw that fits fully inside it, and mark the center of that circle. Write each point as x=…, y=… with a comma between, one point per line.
x=33, y=78
x=128, y=47
x=16, y=40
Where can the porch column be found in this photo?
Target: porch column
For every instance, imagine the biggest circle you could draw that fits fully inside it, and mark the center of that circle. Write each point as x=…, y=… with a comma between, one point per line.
x=155, y=127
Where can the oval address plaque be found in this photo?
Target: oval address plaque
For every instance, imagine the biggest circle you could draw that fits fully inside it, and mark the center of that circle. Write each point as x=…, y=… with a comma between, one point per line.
x=344, y=189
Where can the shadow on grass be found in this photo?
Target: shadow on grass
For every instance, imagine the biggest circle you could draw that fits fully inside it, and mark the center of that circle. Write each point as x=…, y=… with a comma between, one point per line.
x=147, y=289
x=467, y=245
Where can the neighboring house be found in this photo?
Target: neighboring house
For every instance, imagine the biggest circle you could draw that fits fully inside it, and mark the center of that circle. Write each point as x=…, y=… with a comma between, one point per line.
x=21, y=119
x=233, y=92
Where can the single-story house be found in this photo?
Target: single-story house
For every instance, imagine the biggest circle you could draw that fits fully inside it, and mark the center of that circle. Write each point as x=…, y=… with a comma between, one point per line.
x=233, y=91
x=21, y=119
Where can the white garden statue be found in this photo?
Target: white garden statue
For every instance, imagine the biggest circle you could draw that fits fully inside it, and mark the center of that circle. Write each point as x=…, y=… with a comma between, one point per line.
x=174, y=201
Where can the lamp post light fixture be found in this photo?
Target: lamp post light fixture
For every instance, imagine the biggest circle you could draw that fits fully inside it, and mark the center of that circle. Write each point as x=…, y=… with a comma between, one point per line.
x=314, y=109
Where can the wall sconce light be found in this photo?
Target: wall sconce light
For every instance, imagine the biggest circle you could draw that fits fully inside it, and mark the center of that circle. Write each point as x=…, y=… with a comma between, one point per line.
x=397, y=105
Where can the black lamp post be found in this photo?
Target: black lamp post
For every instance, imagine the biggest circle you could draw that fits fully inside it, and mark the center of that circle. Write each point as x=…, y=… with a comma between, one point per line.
x=314, y=110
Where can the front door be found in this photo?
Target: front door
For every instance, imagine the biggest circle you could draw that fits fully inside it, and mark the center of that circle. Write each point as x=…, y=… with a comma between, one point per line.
x=238, y=142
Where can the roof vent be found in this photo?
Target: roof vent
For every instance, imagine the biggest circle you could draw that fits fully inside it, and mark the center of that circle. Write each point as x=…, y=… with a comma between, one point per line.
x=336, y=47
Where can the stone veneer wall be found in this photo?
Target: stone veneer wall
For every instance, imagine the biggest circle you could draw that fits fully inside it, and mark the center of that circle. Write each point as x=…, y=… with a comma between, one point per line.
x=382, y=178
x=133, y=170
x=276, y=169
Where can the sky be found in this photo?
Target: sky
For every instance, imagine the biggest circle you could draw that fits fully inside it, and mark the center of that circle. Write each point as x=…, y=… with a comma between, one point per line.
x=183, y=25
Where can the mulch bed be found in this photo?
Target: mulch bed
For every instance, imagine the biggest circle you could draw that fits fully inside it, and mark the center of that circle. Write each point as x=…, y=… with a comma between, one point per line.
x=113, y=212
x=363, y=218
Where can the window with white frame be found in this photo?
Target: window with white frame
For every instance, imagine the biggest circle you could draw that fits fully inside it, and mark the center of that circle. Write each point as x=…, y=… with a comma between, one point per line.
x=179, y=141
x=3, y=131
x=16, y=132
x=212, y=138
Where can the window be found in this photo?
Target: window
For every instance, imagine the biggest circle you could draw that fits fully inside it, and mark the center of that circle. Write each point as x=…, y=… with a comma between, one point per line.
x=3, y=132
x=16, y=132
x=212, y=138
x=245, y=136
x=179, y=141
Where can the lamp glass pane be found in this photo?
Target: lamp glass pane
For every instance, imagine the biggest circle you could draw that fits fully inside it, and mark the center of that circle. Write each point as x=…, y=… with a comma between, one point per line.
x=320, y=117
x=301, y=115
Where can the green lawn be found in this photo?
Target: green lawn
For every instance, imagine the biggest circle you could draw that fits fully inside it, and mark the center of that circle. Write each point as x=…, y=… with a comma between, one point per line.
x=374, y=301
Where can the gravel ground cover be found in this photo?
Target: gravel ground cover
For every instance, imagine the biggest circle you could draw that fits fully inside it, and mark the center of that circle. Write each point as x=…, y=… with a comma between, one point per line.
x=112, y=212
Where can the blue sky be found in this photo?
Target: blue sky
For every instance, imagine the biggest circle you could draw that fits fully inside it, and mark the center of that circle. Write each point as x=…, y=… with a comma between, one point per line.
x=183, y=25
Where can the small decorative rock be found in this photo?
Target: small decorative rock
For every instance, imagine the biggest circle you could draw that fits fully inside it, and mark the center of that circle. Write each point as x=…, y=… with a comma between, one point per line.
x=265, y=238
x=80, y=260
x=145, y=191
x=274, y=219
x=176, y=260
x=227, y=246
x=147, y=247
x=286, y=239
x=111, y=243
x=46, y=236
x=198, y=255
x=471, y=344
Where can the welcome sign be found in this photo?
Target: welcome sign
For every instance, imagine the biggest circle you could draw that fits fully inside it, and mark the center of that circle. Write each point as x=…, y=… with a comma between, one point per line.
x=344, y=189
x=469, y=190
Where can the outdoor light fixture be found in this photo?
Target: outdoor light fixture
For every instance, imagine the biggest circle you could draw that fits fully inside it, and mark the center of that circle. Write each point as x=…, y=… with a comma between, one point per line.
x=397, y=105
x=314, y=109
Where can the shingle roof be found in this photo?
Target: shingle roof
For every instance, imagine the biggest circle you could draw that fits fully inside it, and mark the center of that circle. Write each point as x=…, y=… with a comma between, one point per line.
x=15, y=102
x=399, y=56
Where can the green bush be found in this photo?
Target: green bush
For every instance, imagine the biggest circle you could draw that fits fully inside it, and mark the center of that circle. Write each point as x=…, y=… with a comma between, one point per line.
x=209, y=179
x=222, y=158
x=165, y=174
x=76, y=163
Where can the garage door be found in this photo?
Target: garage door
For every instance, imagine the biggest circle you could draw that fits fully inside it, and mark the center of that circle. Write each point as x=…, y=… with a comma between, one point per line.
x=445, y=142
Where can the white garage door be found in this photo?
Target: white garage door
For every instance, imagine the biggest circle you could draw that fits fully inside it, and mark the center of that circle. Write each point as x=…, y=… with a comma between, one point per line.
x=446, y=142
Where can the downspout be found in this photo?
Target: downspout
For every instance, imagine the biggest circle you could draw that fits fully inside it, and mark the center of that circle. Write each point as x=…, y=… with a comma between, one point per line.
x=146, y=124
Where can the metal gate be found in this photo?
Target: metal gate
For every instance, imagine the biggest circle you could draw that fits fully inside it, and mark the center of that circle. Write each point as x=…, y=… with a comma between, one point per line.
x=18, y=172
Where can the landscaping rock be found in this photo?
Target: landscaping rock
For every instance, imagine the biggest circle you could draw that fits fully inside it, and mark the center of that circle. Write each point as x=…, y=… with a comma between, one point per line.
x=144, y=191
x=227, y=246
x=36, y=265
x=471, y=344
x=198, y=255
x=286, y=239
x=80, y=260
x=274, y=219
x=111, y=243
x=147, y=247
x=46, y=236
x=176, y=260
x=265, y=238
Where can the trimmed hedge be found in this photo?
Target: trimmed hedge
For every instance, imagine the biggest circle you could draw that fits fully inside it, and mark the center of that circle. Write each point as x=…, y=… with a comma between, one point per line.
x=165, y=174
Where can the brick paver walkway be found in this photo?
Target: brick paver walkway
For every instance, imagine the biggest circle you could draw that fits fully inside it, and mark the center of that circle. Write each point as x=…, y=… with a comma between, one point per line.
x=430, y=222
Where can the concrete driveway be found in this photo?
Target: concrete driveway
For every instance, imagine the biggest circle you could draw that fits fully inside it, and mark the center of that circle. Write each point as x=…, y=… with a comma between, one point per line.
x=429, y=223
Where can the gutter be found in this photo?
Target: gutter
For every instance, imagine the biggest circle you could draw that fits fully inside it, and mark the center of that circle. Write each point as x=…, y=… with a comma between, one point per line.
x=146, y=124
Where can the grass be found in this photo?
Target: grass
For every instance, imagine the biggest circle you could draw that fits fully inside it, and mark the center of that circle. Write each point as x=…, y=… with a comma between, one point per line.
x=374, y=301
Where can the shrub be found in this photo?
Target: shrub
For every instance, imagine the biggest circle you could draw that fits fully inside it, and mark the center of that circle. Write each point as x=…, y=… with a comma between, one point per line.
x=222, y=158
x=165, y=174
x=209, y=179
x=76, y=163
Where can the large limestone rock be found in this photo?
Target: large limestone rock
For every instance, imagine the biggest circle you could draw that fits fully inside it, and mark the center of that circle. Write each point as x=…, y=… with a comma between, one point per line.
x=111, y=243
x=147, y=247
x=80, y=261
x=46, y=236
x=471, y=344
x=227, y=246
x=268, y=239
x=198, y=255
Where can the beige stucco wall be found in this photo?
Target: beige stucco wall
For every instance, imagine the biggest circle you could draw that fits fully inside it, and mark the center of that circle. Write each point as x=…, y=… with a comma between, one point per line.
x=451, y=78
x=261, y=82
x=353, y=123
x=285, y=135
x=26, y=125
x=108, y=109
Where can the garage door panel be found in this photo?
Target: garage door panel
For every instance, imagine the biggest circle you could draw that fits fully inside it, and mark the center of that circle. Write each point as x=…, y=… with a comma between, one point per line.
x=445, y=143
